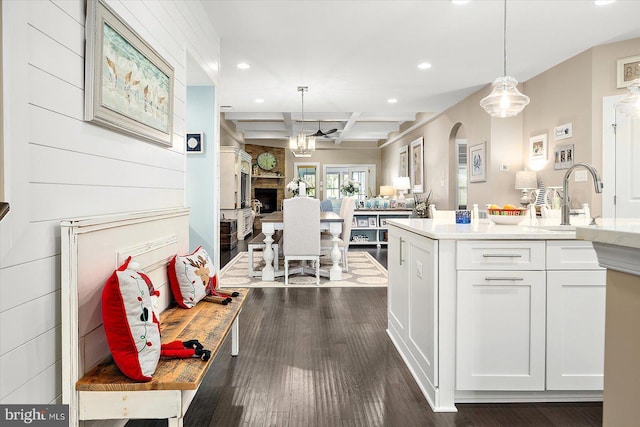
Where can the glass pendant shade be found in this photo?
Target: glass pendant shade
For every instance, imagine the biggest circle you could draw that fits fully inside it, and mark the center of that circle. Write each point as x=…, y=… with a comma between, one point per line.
x=505, y=100
x=302, y=145
x=629, y=105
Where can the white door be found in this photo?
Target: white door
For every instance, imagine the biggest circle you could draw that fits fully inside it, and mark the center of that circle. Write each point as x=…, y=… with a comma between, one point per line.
x=620, y=159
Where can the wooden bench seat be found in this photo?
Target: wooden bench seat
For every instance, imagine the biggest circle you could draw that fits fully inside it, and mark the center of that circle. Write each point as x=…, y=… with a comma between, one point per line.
x=105, y=393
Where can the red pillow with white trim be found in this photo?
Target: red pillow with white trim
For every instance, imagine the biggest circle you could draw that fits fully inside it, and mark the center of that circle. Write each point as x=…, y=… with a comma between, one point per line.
x=127, y=316
x=191, y=277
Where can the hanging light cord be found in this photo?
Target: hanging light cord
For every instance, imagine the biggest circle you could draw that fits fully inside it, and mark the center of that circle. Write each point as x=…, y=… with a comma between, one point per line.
x=504, y=37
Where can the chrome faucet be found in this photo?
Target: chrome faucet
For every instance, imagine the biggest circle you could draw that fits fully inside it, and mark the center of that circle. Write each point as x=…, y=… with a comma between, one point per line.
x=597, y=183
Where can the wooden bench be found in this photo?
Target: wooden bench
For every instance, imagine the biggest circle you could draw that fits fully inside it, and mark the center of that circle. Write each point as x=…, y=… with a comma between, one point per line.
x=257, y=243
x=105, y=393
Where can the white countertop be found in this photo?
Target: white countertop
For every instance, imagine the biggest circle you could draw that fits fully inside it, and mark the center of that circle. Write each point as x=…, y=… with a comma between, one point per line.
x=618, y=232
x=486, y=230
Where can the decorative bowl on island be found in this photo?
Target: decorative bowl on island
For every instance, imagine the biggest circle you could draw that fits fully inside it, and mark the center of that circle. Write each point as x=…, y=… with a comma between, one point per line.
x=510, y=216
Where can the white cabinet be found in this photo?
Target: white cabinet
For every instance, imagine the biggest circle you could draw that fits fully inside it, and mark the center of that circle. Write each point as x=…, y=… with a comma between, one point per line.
x=413, y=303
x=235, y=188
x=370, y=226
x=575, y=316
x=501, y=330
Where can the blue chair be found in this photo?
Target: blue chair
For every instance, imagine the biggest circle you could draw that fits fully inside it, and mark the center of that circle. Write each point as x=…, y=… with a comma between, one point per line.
x=326, y=206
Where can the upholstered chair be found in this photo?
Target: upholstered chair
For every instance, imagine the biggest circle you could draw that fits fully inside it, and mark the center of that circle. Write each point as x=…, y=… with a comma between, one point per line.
x=347, y=209
x=301, y=233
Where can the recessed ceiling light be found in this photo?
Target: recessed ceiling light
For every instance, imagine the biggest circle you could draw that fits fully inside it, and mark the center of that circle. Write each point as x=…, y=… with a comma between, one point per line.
x=424, y=65
x=460, y=1
x=243, y=66
x=392, y=100
x=259, y=100
x=603, y=2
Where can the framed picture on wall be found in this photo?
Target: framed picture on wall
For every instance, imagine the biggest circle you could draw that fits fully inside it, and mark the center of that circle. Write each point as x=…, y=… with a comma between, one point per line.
x=417, y=165
x=563, y=156
x=404, y=162
x=628, y=69
x=538, y=147
x=128, y=85
x=194, y=143
x=478, y=162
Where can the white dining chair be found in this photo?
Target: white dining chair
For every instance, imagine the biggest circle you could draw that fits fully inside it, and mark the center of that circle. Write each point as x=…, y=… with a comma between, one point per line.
x=347, y=209
x=301, y=234
x=441, y=216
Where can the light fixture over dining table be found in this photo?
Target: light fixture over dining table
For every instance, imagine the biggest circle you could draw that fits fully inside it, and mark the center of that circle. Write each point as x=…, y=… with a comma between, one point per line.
x=302, y=145
x=505, y=100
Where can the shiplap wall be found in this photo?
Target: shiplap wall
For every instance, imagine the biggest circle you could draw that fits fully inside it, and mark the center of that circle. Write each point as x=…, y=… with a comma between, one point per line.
x=56, y=166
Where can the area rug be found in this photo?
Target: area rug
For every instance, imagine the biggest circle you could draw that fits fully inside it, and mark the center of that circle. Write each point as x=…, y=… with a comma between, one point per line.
x=364, y=271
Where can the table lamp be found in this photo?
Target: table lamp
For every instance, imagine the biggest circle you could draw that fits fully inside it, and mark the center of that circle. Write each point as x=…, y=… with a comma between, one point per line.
x=526, y=181
x=402, y=184
x=386, y=190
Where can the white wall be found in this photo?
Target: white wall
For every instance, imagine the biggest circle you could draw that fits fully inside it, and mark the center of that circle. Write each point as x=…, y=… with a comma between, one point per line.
x=57, y=166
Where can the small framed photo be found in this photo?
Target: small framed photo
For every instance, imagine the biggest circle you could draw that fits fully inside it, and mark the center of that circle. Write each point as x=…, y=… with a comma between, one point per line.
x=393, y=203
x=195, y=143
x=538, y=147
x=383, y=222
x=373, y=222
x=360, y=204
x=628, y=69
x=478, y=162
x=362, y=222
x=563, y=157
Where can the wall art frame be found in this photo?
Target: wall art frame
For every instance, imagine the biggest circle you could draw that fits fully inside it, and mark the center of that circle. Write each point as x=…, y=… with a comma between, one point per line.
x=403, y=164
x=627, y=70
x=128, y=84
x=478, y=162
x=194, y=143
x=538, y=147
x=417, y=165
x=563, y=156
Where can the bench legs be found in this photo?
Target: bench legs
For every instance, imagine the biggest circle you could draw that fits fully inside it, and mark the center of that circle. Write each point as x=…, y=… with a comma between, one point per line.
x=235, y=344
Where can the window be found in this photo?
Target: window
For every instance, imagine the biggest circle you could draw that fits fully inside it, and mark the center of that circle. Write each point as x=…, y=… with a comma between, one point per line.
x=461, y=191
x=335, y=175
x=309, y=172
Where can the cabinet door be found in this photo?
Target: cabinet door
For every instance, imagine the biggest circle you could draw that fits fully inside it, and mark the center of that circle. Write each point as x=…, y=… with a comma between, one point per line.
x=500, y=330
x=398, y=288
x=422, y=334
x=575, y=329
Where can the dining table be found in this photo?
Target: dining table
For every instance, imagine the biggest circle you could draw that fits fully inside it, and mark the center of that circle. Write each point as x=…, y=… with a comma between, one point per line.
x=329, y=221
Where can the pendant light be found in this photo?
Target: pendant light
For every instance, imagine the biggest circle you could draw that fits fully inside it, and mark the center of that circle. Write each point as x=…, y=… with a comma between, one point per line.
x=630, y=103
x=504, y=100
x=302, y=145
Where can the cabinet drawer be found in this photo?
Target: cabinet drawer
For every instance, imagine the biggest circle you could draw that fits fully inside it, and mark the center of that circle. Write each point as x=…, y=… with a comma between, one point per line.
x=571, y=255
x=500, y=255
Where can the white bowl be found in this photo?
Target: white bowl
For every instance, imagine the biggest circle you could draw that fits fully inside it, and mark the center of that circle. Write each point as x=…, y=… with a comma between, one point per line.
x=507, y=219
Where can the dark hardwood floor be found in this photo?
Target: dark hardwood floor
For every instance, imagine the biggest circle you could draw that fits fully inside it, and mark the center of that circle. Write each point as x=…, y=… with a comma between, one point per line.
x=321, y=357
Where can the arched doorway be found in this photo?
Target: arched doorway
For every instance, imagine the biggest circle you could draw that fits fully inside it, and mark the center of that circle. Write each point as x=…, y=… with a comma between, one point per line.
x=458, y=181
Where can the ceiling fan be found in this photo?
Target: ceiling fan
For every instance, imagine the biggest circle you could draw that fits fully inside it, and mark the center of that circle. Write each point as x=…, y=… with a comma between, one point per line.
x=320, y=133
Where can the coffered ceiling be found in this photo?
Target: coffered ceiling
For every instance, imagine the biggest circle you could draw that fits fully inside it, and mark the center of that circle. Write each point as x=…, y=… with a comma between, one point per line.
x=356, y=55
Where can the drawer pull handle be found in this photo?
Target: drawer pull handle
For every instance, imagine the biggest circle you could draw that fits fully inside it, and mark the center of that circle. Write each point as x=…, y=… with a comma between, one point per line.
x=504, y=278
x=502, y=255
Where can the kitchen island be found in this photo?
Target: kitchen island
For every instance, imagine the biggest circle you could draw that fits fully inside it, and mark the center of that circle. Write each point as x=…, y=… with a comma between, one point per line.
x=617, y=244
x=496, y=313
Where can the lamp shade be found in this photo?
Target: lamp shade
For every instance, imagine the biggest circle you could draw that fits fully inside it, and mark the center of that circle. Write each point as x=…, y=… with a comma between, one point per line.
x=526, y=180
x=505, y=100
x=386, y=190
x=630, y=103
x=402, y=183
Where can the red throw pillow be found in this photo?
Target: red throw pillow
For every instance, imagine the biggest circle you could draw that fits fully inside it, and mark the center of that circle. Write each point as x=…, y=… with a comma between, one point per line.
x=128, y=320
x=191, y=277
